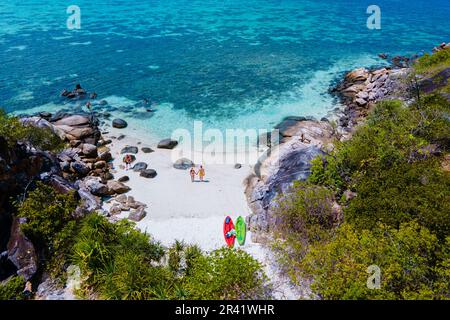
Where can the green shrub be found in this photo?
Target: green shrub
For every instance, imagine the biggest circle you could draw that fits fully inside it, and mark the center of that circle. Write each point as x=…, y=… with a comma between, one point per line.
x=429, y=61
x=14, y=131
x=305, y=212
x=325, y=171
x=393, y=165
x=12, y=289
x=130, y=276
x=420, y=191
x=225, y=274
x=410, y=258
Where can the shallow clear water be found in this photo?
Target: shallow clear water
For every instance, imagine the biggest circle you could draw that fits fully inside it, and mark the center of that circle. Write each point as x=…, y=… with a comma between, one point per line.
x=232, y=64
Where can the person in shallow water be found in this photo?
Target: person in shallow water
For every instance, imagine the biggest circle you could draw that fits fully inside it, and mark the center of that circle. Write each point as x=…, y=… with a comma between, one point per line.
x=145, y=104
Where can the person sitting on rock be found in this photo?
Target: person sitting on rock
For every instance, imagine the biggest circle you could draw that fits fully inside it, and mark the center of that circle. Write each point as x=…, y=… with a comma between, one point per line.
x=303, y=139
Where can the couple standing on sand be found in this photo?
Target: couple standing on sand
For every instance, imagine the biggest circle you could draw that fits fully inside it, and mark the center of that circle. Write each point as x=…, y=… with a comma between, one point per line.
x=201, y=173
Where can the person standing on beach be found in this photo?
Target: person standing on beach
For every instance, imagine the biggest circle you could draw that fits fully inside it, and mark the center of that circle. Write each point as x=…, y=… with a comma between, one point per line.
x=201, y=173
x=192, y=174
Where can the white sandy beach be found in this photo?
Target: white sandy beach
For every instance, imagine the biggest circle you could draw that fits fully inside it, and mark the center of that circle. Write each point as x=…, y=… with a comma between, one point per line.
x=191, y=212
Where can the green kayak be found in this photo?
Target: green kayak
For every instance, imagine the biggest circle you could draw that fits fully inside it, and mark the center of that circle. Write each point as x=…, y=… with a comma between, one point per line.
x=241, y=230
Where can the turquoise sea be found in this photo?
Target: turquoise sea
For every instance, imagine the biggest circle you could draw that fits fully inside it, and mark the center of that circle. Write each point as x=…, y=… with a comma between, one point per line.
x=230, y=63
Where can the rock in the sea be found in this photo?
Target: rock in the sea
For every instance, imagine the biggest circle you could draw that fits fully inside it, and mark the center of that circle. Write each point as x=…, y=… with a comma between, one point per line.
x=167, y=144
x=89, y=201
x=39, y=122
x=116, y=187
x=100, y=164
x=89, y=150
x=148, y=173
x=147, y=150
x=138, y=167
x=137, y=215
x=129, y=149
x=119, y=123
x=75, y=133
x=21, y=251
x=80, y=168
x=124, y=179
x=183, y=164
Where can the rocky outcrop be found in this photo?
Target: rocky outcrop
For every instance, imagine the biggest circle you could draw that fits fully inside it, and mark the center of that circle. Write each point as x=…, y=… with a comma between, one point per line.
x=76, y=129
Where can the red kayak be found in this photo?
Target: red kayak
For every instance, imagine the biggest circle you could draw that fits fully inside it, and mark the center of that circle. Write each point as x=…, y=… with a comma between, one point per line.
x=229, y=232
